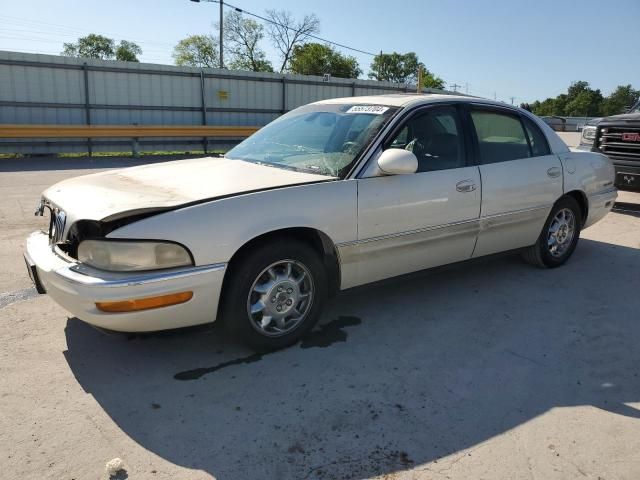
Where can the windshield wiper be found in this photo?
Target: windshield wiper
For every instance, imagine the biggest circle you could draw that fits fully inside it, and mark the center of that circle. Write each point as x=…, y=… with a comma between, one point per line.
x=273, y=165
x=317, y=170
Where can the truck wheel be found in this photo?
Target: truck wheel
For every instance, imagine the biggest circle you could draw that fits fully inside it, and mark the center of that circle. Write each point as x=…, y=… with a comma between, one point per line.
x=559, y=236
x=275, y=295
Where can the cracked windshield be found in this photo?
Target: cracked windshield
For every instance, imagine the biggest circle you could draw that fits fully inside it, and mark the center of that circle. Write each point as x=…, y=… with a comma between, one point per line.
x=322, y=139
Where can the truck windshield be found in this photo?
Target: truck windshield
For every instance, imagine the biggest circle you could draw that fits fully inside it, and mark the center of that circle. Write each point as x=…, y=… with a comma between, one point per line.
x=325, y=139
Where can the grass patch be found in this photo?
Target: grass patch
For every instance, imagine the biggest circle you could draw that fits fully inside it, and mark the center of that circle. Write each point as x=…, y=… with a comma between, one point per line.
x=152, y=153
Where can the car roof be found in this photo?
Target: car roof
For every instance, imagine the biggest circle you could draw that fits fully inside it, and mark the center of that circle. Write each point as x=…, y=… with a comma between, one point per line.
x=410, y=100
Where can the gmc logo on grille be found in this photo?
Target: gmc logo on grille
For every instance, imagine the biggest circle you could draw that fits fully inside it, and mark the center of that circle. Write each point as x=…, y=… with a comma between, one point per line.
x=631, y=137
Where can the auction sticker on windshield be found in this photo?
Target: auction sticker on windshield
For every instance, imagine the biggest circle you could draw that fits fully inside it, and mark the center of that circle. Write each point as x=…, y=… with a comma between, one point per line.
x=375, y=109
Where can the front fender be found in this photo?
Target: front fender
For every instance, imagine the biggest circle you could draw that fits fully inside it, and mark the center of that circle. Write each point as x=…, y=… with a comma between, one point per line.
x=215, y=230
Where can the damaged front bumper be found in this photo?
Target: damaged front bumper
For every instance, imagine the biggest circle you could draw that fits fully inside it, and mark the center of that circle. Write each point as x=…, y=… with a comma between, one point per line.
x=78, y=288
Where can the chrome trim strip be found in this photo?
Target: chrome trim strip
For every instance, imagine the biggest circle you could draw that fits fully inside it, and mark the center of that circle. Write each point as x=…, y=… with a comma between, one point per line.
x=402, y=234
x=438, y=227
x=73, y=275
x=515, y=212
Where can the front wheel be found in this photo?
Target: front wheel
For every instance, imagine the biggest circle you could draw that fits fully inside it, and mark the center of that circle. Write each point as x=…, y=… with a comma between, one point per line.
x=559, y=236
x=275, y=295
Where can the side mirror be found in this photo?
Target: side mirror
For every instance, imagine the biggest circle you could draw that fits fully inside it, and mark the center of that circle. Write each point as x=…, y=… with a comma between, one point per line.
x=397, y=161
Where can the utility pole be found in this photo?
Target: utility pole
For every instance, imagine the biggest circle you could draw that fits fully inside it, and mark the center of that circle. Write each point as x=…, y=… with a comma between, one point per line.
x=419, y=86
x=221, y=3
x=466, y=88
x=221, y=35
x=512, y=99
x=455, y=87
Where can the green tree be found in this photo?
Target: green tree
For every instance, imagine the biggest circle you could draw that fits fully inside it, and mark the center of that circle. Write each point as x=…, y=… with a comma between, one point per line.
x=582, y=100
x=430, y=80
x=545, y=108
x=91, y=46
x=579, y=101
x=128, y=51
x=103, y=48
x=577, y=88
x=318, y=59
x=560, y=103
x=286, y=33
x=242, y=36
x=585, y=104
x=197, y=51
x=623, y=97
x=396, y=67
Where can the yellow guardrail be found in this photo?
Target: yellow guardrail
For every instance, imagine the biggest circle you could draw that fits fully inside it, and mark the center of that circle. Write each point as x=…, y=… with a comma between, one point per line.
x=122, y=131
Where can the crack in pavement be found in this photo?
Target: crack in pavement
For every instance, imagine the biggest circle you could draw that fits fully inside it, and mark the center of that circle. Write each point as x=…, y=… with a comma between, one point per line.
x=7, y=298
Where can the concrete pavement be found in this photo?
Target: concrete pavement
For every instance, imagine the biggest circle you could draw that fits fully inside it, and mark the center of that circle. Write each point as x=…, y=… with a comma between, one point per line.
x=487, y=369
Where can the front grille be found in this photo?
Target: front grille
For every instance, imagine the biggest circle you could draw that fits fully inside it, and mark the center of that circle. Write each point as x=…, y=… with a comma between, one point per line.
x=56, y=225
x=620, y=143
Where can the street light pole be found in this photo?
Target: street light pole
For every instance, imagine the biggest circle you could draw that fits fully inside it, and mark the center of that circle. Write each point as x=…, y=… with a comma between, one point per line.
x=221, y=3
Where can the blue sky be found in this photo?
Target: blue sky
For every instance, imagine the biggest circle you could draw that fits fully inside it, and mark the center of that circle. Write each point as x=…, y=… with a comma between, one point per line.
x=509, y=48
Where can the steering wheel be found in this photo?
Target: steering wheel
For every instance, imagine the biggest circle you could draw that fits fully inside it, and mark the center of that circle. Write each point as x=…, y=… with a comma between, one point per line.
x=349, y=147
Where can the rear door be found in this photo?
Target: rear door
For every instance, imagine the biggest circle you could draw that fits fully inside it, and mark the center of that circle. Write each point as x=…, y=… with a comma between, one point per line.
x=521, y=179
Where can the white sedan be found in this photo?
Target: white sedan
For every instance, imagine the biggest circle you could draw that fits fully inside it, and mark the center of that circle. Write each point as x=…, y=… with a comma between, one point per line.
x=332, y=195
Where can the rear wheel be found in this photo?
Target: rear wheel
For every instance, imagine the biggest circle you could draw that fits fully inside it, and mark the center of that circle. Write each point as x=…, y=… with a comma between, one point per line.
x=559, y=236
x=275, y=295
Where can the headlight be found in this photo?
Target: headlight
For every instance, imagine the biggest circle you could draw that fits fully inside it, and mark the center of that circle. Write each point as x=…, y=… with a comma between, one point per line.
x=127, y=256
x=588, y=134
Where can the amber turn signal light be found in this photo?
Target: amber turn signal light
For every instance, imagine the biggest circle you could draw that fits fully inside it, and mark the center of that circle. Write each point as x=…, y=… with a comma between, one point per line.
x=144, y=303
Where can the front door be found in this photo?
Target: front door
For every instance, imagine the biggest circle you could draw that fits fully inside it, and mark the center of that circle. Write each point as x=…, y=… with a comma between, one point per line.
x=411, y=222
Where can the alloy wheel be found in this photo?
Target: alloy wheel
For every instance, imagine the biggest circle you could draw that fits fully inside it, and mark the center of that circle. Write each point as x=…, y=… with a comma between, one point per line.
x=280, y=298
x=561, y=232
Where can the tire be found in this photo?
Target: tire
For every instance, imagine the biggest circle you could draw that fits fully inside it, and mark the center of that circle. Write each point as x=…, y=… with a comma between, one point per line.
x=542, y=253
x=284, y=275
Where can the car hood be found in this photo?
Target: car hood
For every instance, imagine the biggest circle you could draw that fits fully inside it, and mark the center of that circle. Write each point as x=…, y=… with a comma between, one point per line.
x=118, y=193
x=624, y=119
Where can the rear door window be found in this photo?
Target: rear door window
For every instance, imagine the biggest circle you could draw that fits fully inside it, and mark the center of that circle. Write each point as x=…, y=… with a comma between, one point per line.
x=539, y=144
x=501, y=137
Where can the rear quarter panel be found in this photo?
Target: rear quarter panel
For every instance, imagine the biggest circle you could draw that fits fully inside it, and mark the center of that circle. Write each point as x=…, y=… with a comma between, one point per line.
x=592, y=174
x=588, y=172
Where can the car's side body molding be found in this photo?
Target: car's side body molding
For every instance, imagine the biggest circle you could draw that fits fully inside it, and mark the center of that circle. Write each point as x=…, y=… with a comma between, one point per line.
x=377, y=258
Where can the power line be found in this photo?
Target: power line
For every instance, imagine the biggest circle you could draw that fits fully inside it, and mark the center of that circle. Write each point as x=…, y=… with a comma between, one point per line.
x=315, y=37
x=59, y=30
x=50, y=40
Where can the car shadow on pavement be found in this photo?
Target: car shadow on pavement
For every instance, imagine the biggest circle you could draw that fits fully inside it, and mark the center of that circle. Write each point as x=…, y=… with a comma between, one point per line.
x=399, y=374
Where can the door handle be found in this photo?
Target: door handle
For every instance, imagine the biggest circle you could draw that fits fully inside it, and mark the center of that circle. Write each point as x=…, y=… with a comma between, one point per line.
x=554, y=172
x=465, y=186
